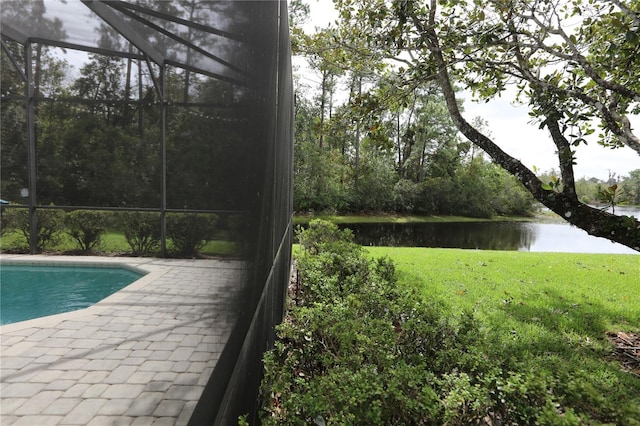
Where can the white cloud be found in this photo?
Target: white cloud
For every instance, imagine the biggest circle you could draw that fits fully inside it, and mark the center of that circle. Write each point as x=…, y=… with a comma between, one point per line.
x=512, y=130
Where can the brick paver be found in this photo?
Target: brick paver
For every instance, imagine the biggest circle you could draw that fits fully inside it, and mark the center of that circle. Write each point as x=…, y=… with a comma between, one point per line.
x=142, y=356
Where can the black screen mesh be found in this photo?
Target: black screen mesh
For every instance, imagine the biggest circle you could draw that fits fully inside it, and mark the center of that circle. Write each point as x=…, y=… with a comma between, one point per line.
x=188, y=107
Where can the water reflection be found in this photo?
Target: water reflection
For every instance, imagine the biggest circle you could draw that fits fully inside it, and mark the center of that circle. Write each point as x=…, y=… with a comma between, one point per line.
x=475, y=235
x=521, y=236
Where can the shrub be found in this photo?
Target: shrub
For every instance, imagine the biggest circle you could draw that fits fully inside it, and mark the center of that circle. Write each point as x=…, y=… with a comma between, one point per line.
x=359, y=349
x=49, y=226
x=141, y=230
x=6, y=221
x=189, y=232
x=374, y=188
x=405, y=195
x=438, y=196
x=86, y=227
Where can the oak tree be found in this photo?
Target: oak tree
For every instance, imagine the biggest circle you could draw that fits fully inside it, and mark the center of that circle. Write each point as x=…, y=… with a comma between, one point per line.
x=574, y=63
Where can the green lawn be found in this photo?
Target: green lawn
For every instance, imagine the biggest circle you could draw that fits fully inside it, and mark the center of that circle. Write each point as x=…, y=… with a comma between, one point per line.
x=546, y=288
x=543, y=312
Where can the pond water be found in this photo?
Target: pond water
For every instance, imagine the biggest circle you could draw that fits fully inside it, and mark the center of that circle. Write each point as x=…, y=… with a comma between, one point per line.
x=521, y=236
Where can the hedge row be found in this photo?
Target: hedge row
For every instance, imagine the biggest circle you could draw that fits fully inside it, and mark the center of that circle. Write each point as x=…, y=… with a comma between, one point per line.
x=187, y=233
x=358, y=349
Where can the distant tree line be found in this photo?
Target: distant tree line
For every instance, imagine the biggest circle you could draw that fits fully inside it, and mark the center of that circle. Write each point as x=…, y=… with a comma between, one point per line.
x=414, y=168
x=98, y=145
x=371, y=137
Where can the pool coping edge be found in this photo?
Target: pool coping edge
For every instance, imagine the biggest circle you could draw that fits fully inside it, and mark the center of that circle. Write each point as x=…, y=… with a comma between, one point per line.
x=150, y=273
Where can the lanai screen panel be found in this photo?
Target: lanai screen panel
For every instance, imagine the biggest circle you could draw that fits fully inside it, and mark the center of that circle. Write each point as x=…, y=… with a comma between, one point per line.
x=205, y=35
x=169, y=89
x=174, y=106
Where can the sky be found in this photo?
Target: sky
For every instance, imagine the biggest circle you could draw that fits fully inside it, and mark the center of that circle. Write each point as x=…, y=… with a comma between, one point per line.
x=511, y=129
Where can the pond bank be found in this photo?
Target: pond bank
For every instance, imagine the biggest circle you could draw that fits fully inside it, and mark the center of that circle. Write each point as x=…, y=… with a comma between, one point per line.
x=301, y=219
x=543, y=216
x=543, y=233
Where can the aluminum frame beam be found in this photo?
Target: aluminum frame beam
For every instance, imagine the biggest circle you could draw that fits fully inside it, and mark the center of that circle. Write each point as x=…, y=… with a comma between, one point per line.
x=14, y=34
x=110, y=17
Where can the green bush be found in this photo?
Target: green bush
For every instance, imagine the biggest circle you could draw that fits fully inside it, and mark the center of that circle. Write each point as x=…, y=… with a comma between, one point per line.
x=189, y=232
x=438, y=196
x=358, y=349
x=49, y=226
x=405, y=195
x=6, y=221
x=141, y=230
x=86, y=227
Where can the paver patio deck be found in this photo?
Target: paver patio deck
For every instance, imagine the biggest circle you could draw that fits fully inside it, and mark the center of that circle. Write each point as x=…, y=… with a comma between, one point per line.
x=139, y=357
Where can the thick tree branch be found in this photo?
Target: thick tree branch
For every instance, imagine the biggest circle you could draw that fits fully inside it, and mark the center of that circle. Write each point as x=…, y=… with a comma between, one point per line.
x=627, y=11
x=588, y=69
x=618, y=124
x=565, y=155
x=622, y=130
x=614, y=121
x=622, y=229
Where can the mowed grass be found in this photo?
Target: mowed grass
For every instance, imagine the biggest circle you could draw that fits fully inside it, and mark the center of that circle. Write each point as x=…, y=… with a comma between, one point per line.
x=544, y=312
x=545, y=288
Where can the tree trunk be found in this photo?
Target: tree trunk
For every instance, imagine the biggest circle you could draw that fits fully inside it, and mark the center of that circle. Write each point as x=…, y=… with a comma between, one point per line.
x=621, y=229
x=356, y=165
x=127, y=92
x=423, y=154
x=323, y=98
x=399, y=144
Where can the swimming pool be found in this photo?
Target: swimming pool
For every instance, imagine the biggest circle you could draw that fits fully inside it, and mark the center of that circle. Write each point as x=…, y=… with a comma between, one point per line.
x=38, y=290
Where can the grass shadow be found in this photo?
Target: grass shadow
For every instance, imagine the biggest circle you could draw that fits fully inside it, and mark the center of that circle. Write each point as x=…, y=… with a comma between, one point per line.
x=564, y=337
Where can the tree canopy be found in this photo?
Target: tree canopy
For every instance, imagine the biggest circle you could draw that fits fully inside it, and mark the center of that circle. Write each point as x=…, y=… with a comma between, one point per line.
x=573, y=63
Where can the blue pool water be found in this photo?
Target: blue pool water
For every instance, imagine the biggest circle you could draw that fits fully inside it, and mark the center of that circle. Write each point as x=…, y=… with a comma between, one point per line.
x=28, y=291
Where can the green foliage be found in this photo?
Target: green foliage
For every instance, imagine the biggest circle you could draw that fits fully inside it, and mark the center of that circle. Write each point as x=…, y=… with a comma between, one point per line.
x=405, y=194
x=479, y=189
x=320, y=235
x=6, y=221
x=554, y=184
x=611, y=196
x=189, y=232
x=242, y=420
x=490, y=190
x=49, y=226
x=631, y=186
x=141, y=230
x=86, y=227
x=614, y=191
x=357, y=348
x=546, y=319
x=437, y=195
x=318, y=174
x=373, y=190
